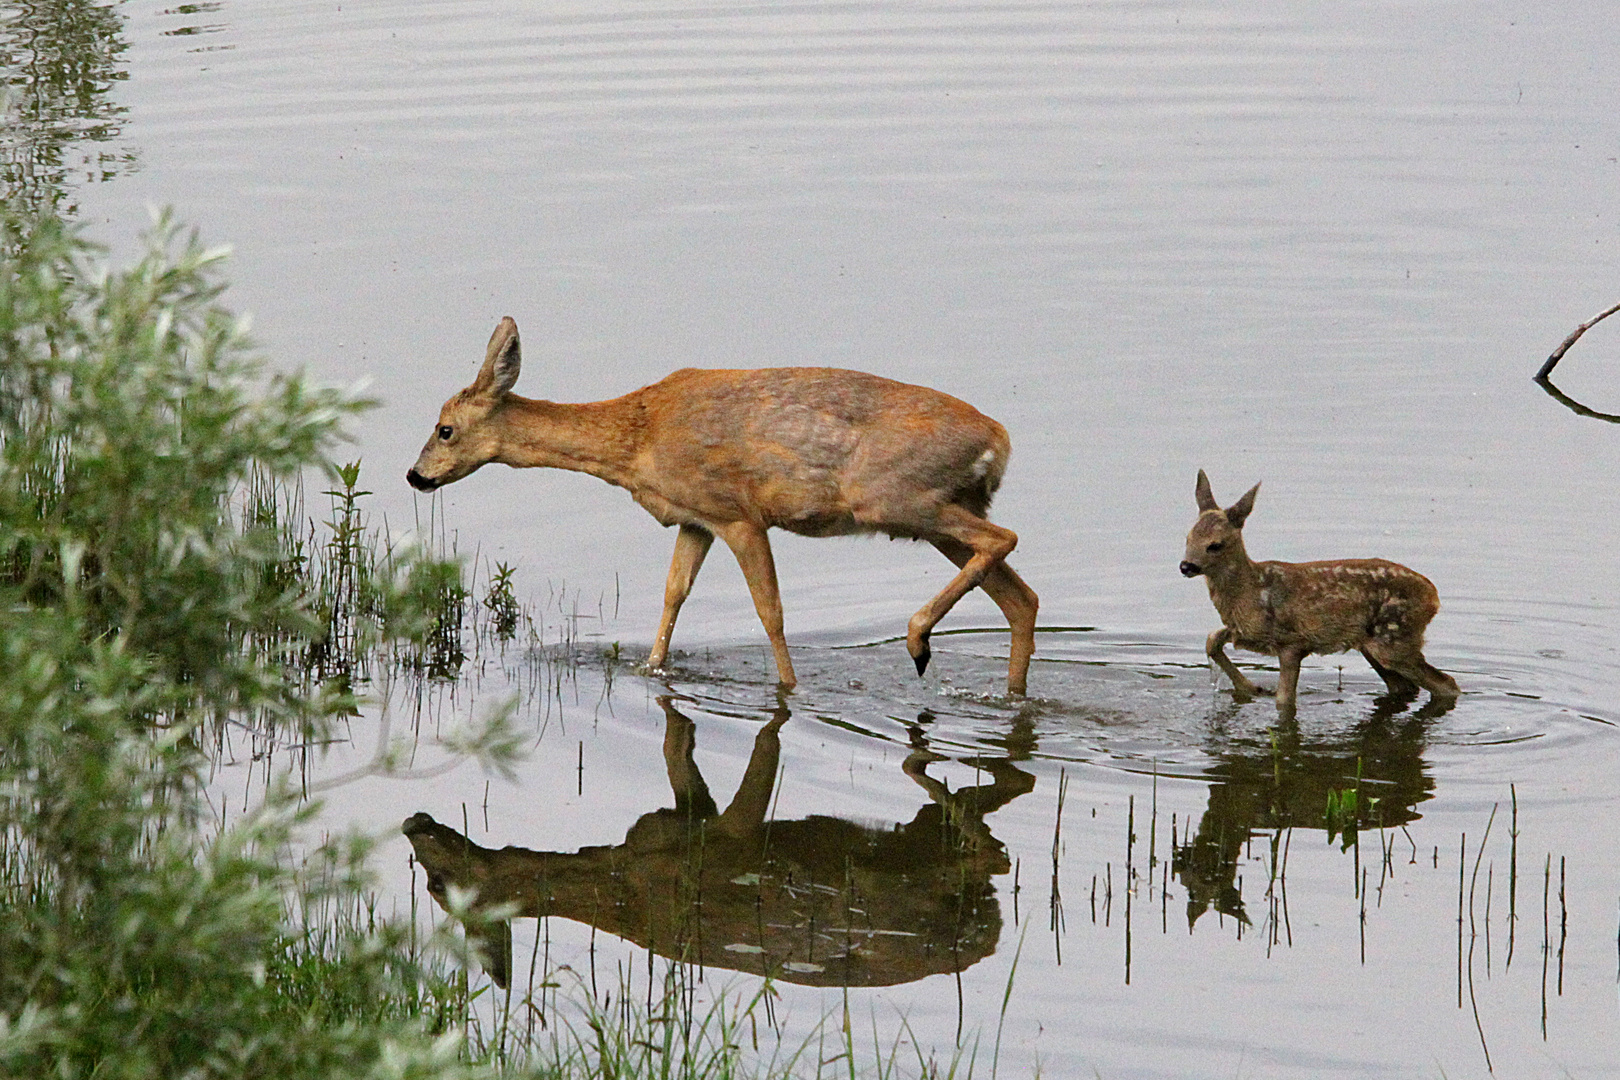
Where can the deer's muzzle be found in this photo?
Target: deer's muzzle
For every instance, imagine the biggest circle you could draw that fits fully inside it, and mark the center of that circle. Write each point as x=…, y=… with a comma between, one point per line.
x=419, y=482
x=1188, y=569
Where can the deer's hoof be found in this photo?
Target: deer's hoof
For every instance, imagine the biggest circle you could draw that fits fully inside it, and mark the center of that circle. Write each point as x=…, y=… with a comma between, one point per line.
x=922, y=656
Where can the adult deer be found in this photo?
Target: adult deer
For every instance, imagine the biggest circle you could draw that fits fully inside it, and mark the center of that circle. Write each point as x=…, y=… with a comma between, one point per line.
x=1291, y=610
x=816, y=451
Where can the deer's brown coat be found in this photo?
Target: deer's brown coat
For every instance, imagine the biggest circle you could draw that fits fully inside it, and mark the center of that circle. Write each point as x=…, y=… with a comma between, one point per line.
x=1291, y=610
x=816, y=451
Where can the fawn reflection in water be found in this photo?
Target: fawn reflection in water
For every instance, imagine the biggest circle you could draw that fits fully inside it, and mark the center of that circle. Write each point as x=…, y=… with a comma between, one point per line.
x=1370, y=777
x=820, y=900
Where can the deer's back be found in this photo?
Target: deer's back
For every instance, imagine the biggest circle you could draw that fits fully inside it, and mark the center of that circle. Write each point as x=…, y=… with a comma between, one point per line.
x=1333, y=606
x=819, y=451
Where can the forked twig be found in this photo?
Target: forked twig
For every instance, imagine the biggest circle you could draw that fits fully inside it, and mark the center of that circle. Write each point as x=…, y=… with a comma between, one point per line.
x=1575, y=335
x=1544, y=379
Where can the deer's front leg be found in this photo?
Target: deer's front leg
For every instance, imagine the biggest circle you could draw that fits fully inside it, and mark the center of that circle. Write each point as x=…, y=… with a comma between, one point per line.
x=753, y=550
x=691, y=545
x=1215, y=648
x=1288, y=680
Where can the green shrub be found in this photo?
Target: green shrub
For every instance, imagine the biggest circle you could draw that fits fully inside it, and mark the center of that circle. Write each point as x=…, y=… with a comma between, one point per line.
x=157, y=580
x=144, y=597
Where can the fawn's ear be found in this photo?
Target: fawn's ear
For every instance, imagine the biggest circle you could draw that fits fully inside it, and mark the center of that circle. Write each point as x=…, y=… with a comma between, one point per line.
x=1206, y=498
x=502, y=361
x=1239, y=511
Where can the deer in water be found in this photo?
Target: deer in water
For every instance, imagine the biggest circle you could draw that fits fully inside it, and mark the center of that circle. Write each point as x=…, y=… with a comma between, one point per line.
x=816, y=451
x=1291, y=610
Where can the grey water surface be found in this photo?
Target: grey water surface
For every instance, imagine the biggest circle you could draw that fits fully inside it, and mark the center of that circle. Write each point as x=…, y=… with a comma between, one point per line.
x=1322, y=246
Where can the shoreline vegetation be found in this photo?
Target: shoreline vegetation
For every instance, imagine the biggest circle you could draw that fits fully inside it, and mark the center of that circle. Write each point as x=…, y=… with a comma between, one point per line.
x=161, y=583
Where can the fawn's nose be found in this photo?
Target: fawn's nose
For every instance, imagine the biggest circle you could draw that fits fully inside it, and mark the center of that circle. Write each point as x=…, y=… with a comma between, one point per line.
x=1191, y=569
x=418, y=481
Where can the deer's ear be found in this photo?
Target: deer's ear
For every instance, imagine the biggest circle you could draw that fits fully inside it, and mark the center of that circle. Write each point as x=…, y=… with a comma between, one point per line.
x=1206, y=498
x=502, y=361
x=1239, y=511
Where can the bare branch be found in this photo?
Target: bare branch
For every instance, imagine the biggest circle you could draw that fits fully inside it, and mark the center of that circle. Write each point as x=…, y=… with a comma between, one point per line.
x=1558, y=353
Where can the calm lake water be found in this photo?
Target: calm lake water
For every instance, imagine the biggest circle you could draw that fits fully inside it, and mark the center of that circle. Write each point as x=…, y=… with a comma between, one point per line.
x=1320, y=245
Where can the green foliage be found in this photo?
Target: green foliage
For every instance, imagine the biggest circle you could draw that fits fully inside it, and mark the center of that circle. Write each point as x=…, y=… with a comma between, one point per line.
x=437, y=591
x=157, y=579
x=501, y=601
x=344, y=590
x=147, y=590
x=136, y=412
x=1347, y=810
x=1342, y=815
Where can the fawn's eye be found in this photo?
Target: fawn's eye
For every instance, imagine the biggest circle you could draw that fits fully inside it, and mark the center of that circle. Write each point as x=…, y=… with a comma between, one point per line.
x=1216, y=546
x=445, y=431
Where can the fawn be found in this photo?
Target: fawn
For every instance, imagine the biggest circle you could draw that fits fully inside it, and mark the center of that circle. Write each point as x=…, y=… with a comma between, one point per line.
x=1291, y=610
x=816, y=451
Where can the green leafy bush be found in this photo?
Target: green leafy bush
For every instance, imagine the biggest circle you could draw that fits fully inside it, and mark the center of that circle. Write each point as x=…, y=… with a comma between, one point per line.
x=155, y=583
x=142, y=600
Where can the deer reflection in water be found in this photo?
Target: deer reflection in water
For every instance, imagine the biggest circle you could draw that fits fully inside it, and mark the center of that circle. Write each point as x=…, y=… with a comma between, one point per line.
x=1291, y=784
x=821, y=900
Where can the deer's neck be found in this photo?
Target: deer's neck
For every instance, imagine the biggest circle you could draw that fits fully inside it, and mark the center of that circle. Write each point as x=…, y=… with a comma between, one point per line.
x=600, y=438
x=1237, y=587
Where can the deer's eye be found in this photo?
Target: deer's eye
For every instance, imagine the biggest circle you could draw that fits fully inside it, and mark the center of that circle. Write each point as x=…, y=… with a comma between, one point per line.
x=1216, y=546
x=445, y=431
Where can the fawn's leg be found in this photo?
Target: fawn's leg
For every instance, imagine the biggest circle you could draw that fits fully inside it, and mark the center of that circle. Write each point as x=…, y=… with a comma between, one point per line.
x=691, y=545
x=1017, y=602
x=1288, y=682
x=989, y=545
x=1215, y=648
x=753, y=550
x=1394, y=680
x=1437, y=682
x=1409, y=662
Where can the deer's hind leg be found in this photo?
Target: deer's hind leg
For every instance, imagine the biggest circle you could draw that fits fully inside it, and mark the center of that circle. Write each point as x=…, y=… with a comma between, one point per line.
x=1017, y=602
x=1397, y=639
x=989, y=545
x=1406, y=660
x=1394, y=680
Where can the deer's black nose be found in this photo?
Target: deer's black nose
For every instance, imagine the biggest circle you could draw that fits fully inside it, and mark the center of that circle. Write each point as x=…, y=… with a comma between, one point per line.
x=1191, y=569
x=419, y=482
